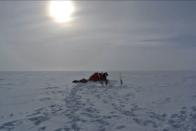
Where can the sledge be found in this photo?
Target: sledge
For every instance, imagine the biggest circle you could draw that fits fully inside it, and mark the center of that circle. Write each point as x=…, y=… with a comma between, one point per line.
x=80, y=81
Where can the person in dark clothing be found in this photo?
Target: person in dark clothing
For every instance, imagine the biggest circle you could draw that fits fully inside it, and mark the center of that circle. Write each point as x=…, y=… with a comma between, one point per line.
x=96, y=77
x=105, y=78
x=102, y=77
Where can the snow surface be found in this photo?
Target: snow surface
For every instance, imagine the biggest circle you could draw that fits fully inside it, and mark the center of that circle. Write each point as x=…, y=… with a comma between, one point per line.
x=147, y=101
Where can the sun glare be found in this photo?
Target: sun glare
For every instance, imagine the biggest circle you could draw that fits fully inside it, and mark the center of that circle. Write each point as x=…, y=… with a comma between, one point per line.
x=61, y=11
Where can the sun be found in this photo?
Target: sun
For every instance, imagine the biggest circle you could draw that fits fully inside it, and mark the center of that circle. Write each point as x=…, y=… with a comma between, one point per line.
x=61, y=11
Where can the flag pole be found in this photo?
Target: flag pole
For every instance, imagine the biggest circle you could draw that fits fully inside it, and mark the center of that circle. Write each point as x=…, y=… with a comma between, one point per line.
x=121, y=81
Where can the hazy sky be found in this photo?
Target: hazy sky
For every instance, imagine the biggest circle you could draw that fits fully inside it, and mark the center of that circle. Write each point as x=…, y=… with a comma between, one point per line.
x=112, y=35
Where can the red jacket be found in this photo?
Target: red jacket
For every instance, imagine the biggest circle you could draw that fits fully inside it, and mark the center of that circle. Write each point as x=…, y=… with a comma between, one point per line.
x=96, y=77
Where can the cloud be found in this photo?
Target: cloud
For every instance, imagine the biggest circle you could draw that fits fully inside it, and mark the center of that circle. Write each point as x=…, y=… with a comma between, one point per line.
x=181, y=40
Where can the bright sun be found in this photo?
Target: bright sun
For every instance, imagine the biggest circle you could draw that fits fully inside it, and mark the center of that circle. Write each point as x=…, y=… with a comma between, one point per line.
x=61, y=11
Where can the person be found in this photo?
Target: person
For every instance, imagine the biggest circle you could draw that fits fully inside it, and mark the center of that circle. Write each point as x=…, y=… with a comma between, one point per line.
x=102, y=77
x=96, y=77
x=105, y=75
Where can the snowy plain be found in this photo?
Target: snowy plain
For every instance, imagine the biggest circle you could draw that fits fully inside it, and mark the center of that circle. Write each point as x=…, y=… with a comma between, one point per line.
x=49, y=101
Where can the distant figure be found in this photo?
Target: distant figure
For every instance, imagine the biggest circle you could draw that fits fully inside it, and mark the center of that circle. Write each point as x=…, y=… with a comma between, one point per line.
x=96, y=77
x=102, y=77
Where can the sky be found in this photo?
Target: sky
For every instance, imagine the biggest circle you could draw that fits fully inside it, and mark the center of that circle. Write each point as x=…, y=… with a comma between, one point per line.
x=103, y=35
